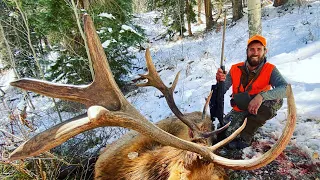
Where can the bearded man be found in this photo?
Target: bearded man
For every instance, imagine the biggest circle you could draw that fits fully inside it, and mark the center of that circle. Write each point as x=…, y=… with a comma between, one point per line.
x=258, y=90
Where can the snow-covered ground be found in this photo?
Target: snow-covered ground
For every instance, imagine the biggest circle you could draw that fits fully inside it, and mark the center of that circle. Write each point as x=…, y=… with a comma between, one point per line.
x=293, y=37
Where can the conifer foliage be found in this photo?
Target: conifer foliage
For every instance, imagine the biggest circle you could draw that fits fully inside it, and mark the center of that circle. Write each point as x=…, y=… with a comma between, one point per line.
x=174, y=13
x=53, y=28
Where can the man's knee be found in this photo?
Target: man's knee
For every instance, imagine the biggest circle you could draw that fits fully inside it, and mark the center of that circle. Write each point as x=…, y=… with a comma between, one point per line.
x=273, y=106
x=267, y=110
x=264, y=114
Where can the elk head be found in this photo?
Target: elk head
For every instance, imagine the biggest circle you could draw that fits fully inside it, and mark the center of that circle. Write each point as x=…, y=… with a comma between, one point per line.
x=173, y=157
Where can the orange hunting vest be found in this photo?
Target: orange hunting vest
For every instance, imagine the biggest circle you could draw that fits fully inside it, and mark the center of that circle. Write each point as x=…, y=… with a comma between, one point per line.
x=260, y=84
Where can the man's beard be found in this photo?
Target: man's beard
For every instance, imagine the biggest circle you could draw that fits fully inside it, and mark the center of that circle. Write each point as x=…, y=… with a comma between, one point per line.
x=255, y=63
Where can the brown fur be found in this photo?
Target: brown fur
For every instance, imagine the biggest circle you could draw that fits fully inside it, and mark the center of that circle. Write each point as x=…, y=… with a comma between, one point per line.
x=155, y=161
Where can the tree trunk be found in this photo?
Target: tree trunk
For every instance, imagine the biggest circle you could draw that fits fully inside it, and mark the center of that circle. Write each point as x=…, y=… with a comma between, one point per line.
x=181, y=10
x=245, y=3
x=208, y=12
x=237, y=10
x=140, y=6
x=219, y=8
x=199, y=11
x=85, y=4
x=188, y=13
x=254, y=17
x=277, y=3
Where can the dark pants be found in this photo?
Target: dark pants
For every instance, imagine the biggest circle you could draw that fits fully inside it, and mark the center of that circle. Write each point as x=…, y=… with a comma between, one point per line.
x=267, y=110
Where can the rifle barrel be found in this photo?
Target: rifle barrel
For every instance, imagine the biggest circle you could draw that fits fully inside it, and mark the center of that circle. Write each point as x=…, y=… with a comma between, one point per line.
x=223, y=37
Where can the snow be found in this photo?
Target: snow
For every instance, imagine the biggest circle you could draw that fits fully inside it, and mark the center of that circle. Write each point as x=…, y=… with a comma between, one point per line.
x=107, y=15
x=106, y=43
x=6, y=79
x=293, y=38
x=128, y=28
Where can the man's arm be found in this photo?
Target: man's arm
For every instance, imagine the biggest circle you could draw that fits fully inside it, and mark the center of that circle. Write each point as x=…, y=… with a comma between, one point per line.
x=227, y=83
x=279, y=85
x=220, y=76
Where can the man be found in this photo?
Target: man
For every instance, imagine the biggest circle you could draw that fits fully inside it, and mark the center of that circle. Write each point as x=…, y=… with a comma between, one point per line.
x=258, y=90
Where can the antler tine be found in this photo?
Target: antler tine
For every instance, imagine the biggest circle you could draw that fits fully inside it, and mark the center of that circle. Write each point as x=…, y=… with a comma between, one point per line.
x=175, y=82
x=217, y=131
x=72, y=93
x=229, y=138
x=208, y=121
x=52, y=137
x=206, y=105
x=155, y=81
x=104, y=86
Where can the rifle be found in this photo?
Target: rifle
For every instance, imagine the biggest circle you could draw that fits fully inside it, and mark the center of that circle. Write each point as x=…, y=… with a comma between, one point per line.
x=217, y=99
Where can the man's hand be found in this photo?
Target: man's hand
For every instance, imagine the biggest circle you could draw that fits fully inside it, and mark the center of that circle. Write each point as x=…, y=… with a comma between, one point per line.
x=254, y=104
x=220, y=75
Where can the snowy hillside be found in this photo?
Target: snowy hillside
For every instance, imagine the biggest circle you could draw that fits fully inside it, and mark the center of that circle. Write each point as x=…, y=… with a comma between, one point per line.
x=293, y=37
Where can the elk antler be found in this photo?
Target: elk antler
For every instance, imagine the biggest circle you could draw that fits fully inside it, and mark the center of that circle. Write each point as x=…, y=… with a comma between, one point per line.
x=110, y=108
x=217, y=131
x=155, y=81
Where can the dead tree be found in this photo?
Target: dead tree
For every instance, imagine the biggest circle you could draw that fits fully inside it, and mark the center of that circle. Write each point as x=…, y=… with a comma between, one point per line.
x=176, y=148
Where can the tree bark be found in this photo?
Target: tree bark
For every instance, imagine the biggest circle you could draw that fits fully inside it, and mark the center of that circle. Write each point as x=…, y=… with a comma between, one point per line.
x=237, y=10
x=254, y=17
x=208, y=12
x=188, y=13
x=85, y=4
x=199, y=11
x=277, y=3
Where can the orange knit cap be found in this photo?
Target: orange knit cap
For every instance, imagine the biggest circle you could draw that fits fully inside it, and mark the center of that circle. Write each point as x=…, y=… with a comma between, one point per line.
x=259, y=38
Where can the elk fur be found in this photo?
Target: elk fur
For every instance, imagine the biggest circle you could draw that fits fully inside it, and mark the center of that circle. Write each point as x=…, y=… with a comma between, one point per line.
x=155, y=161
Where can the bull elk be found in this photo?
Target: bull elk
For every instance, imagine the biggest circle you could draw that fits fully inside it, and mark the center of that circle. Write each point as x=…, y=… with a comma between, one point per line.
x=177, y=148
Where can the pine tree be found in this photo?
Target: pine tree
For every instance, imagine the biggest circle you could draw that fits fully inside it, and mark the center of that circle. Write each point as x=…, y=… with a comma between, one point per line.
x=237, y=10
x=174, y=13
x=208, y=12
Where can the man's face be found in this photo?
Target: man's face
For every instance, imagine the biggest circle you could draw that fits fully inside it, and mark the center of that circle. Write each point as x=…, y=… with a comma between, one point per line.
x=255, y=53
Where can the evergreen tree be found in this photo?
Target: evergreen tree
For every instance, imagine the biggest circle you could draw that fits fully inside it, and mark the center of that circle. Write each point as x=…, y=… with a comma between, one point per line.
x=174, y=13
x=53, y=26
x=237, y=10
x=15, y=33
x=208, y=12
